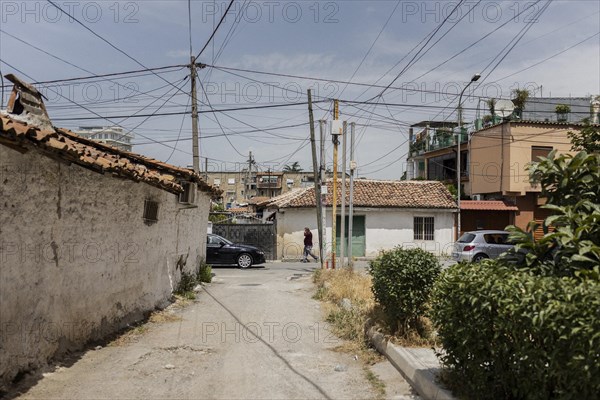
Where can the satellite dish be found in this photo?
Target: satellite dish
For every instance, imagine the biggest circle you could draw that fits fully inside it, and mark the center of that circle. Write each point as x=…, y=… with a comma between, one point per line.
x=504, y=108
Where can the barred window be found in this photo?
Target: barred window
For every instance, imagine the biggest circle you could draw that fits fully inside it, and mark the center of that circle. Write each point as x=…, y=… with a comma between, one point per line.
x=150, y=212
x=423, y=228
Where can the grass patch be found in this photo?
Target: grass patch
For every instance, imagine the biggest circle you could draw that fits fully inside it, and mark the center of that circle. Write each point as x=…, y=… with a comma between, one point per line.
x=333, y=286
x=375, y=382
x=348, y=303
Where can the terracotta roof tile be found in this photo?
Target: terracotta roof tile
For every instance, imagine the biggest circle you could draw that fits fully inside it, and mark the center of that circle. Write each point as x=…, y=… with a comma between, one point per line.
x=99, y=157
x=487, y=205
x=375, y=193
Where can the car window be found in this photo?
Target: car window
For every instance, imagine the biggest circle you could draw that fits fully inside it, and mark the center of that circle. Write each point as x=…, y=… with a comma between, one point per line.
x=503, y=239
x=213, y=240
x=489, y=238
x=466, y=238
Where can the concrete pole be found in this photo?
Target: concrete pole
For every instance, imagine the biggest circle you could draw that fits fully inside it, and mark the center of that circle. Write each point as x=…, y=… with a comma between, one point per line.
x=323, y=183
x=343, y=208
x=195, y=142
x=351, y=198
x=313, y=146
x=335, y=179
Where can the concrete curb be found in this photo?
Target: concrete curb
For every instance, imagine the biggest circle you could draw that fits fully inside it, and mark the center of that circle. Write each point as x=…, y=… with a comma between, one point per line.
x=418, y=366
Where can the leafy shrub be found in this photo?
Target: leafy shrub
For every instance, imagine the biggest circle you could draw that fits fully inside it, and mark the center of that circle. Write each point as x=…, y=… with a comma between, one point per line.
x=402, y=281
x=186, y=283
x=529, y=327
x=204, y=272
x=511, y=334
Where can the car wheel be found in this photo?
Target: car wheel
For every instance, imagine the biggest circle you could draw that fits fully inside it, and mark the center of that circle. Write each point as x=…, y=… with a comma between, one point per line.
x=479, y=257
x=244, y=260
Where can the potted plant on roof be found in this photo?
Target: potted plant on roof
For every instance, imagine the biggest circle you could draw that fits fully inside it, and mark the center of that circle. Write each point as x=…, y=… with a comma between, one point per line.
x=562, y=112
x=520, y=97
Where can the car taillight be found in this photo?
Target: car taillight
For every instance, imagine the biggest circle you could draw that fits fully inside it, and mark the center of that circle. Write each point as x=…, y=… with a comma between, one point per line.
x=468, y=248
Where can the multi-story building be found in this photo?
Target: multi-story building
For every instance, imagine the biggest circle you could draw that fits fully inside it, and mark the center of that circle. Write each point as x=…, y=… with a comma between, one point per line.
x=240, y=187
x=495, y=157
x=112, y=135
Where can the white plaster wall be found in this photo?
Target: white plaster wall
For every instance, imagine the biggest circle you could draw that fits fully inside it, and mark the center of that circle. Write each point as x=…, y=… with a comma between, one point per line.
x=388, y=228
x=77, y=260
x=385, y=229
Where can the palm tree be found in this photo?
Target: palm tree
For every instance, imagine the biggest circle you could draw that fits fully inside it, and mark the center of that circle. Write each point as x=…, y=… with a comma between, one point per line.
x=294, y=167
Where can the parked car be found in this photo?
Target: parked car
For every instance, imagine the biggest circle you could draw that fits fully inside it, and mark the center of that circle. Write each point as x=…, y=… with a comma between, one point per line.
x=222, y=251
x=475, y=246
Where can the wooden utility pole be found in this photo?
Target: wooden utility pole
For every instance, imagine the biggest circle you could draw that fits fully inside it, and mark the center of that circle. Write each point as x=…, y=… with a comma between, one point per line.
x=313, y=146
x=195, y=144
x=336, y=115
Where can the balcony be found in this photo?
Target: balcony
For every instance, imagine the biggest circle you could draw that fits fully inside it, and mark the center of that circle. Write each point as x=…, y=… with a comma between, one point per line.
x=269, y=185
x=439, y=140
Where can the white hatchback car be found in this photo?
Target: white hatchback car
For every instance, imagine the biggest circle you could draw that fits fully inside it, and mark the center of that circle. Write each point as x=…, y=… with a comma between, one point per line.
x=475, y=246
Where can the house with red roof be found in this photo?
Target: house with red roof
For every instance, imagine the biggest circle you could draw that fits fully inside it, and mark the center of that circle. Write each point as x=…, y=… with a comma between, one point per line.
x=386, y=214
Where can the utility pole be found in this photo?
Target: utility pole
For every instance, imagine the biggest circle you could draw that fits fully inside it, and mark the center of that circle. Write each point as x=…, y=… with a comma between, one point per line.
x=323, y=181
x=351, y=197
x=343, y=210
x=313, y=146
x=195, y=144
x=334, y=136
x=248, y=176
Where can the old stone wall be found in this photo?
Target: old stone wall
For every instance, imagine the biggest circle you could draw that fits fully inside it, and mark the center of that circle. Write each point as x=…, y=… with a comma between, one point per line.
x=77, y=259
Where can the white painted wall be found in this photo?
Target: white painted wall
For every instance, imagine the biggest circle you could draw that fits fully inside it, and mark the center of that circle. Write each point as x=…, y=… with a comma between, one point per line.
x=77, y=260
x=385, y=229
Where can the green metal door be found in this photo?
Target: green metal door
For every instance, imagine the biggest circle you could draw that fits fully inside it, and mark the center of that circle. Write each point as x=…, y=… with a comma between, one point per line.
x=358, y=235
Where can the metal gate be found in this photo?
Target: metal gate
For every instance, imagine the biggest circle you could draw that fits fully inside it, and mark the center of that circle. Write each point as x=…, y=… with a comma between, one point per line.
x=263, y=236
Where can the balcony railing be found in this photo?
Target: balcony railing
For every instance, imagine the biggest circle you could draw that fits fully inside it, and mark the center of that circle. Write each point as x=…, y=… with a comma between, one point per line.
x=439, y=140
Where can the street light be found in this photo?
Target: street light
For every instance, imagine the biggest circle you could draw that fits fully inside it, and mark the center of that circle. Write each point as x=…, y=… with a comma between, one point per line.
x=475, y=78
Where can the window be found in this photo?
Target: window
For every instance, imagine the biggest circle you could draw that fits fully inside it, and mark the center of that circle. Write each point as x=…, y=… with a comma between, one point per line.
x=150, y=211
x=188, y=195
x=423, y=228
x=216, y=181
x=539, y=151
x=231, y=181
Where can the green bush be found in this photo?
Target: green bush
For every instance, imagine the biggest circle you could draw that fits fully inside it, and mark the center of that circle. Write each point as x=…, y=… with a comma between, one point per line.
x=204, y=272
x=402, y=281
x=512, y=334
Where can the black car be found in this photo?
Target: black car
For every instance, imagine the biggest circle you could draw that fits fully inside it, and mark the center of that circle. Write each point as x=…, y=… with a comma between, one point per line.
x=222, y=251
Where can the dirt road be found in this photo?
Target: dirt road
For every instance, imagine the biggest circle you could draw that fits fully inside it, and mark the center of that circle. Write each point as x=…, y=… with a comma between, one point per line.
x=251, y=334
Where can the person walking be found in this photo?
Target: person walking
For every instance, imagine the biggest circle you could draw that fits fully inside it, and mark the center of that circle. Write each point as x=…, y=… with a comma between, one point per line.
x=308, y=245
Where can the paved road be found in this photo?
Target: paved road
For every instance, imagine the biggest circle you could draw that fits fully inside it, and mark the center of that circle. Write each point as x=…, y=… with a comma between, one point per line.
x=251, y=334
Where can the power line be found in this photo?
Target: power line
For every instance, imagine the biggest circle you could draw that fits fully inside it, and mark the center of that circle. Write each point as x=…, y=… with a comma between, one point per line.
x=214, y=30
x=409, y=64
x=548, y=58
x=103, y=39
x=75, y=103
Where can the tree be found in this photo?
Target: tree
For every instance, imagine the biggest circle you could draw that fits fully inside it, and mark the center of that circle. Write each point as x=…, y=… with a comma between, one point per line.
x=571, y=242
x=587, y=139
x=294, y=167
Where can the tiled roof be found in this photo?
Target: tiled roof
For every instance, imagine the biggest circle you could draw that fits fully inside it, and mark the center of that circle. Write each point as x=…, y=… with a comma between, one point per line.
x=258, y=200
x=67, y=146
x=487, y=205
x=375, y=193
x=238, y=210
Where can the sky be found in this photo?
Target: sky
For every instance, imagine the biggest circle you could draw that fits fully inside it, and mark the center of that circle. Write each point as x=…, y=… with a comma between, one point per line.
x=426, y=51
